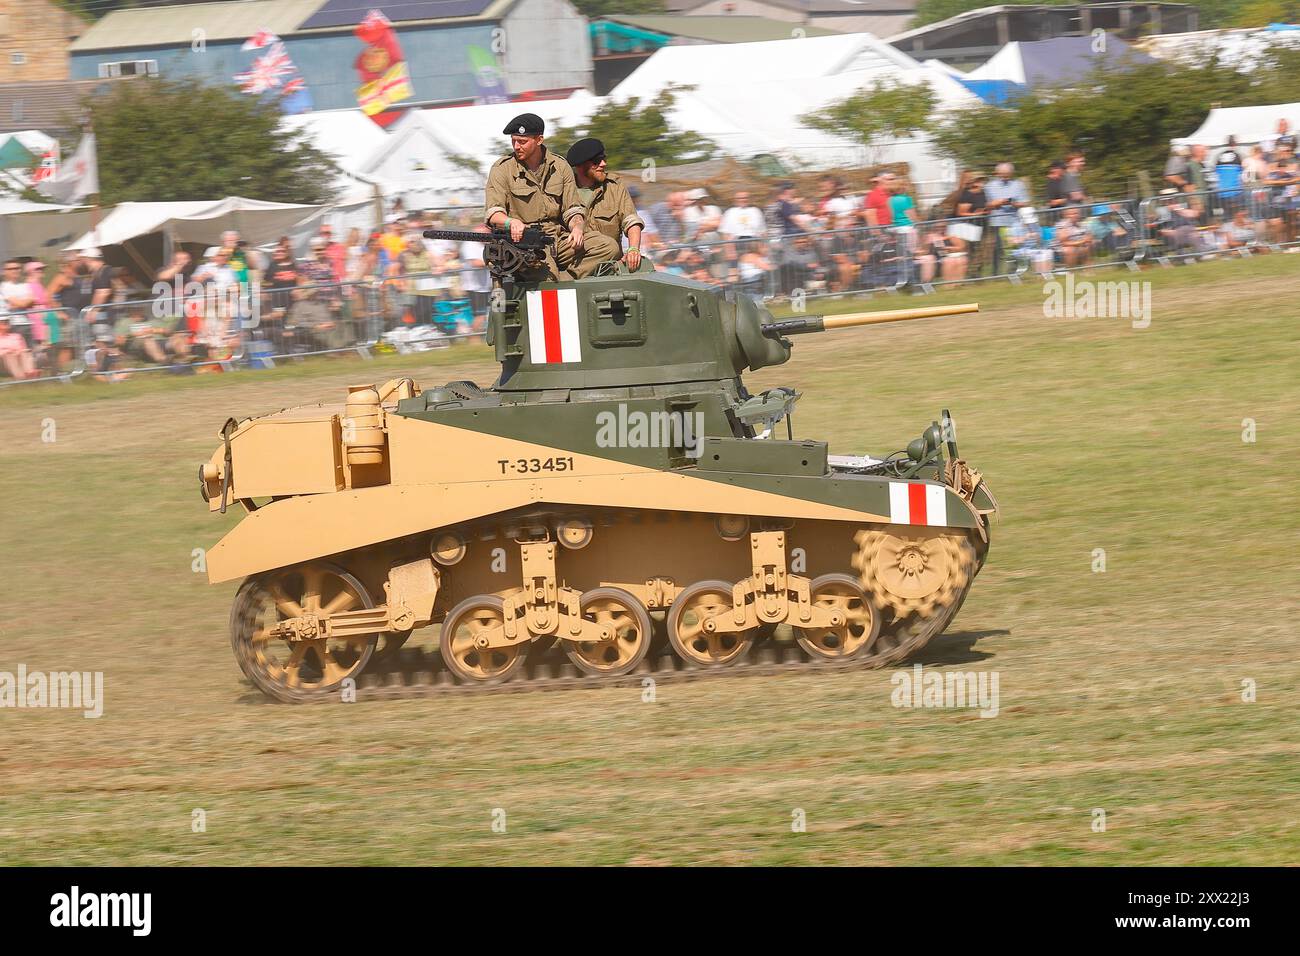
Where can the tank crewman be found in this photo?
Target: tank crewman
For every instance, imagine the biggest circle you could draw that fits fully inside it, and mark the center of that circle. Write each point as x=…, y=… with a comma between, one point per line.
x=609, y=207
x=533, y=187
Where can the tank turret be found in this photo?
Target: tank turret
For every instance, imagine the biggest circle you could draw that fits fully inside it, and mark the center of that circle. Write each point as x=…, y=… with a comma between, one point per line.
x=647, y=328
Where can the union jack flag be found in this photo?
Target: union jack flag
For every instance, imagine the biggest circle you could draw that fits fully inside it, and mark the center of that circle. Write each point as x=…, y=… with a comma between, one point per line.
x=267, y=72
x=259, y=40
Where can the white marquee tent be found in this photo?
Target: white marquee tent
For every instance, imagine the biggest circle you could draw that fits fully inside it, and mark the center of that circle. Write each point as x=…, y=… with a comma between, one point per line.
x=197, y=221
x=146, y=232
x=38, y=229
x=439, y=157
x=36, y=143
x=738, y=65
x=1236, y=48
x=428, y=156
x=1249, y=124
x=348, y=137
x=750, y=98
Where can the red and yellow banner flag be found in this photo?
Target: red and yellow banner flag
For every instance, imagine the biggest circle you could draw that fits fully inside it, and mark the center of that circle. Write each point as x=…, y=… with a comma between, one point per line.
x=381, y=67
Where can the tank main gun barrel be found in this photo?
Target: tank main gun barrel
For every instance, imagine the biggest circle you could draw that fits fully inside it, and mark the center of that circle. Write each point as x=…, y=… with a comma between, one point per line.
x=825, y=323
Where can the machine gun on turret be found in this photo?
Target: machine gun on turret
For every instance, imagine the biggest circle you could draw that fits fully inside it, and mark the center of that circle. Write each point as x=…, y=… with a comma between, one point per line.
x=504, y=257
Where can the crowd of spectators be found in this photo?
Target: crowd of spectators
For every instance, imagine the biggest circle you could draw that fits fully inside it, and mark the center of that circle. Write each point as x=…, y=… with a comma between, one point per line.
x=393, y=285
x=841, y=241
x=1235, y=199
x=38, y=313
x=203, y=310
x=837, y=241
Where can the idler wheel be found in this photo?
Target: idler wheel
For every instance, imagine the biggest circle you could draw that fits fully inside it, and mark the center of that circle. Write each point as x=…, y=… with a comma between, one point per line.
x=460, y=642
x=309, y=667
x=861, y=620
x=688, y=635
x=630, y=627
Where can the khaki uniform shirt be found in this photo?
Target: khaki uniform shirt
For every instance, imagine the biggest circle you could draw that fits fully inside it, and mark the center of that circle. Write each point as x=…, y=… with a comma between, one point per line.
x=610, y=211
x=547, y=198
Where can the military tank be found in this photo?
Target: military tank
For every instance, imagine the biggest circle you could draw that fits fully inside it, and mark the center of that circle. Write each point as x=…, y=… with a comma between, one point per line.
x=616, y=503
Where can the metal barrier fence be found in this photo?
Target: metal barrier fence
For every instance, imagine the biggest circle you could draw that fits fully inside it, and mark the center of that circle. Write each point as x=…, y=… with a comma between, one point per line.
x=228, y=326
x=186, y=329
x=1241, y=221
x=1097, y=234
x=422, y=311
x=921, y=256
x=49, y=345
x=833, y=262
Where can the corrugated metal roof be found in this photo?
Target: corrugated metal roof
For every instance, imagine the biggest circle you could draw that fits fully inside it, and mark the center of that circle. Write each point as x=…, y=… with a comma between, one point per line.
x=335, y=15
x=1026, y=10
x=844, y=7
x=716, y=29
x=168, y=26
x=346, y=13
x=49, y=105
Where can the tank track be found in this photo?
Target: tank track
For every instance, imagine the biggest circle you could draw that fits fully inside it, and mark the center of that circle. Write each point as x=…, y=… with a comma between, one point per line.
x=419, y=672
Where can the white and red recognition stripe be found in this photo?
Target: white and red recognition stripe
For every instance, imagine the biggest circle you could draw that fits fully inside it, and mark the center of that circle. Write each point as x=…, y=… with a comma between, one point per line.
x=553, y=326
x=915, y=503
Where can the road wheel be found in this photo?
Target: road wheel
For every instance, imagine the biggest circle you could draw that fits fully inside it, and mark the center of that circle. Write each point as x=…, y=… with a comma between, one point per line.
x=686, y=631
x=861, y=626
x=462, y=631
x=630, y=627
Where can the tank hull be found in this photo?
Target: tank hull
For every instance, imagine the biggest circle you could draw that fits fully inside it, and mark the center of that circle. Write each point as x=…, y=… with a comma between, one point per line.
x=617, y=469
x=779, y=549
x=434, y=488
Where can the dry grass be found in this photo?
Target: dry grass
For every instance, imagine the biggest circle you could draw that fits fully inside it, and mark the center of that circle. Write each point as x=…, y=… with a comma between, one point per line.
x=1119, y=691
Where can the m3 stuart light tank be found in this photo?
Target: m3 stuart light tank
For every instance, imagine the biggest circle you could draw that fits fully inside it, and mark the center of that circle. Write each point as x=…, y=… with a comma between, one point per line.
x=617, y=467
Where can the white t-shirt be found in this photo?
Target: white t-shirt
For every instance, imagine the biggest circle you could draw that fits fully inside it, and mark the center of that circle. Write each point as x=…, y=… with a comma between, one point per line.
x=650, y=229
x=473, y=278
x=16, y=291
x=446, y=248
x=743, y=221
x=694, y=215
x=221, y=277
x=840, y=206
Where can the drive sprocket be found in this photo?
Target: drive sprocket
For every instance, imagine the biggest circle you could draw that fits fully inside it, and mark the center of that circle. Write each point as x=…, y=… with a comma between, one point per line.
x=921, y=573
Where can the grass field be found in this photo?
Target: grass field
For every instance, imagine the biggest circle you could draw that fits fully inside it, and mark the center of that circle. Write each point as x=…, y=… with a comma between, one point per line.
x=1120, y=690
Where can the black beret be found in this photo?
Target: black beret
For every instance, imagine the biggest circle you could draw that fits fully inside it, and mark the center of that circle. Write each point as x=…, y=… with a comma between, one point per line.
x=525, y=124
x=584, y=150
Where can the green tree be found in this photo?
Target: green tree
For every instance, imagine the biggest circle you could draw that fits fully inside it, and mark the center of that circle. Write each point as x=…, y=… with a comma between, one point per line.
x=160, y=140
x=1212, y=13
x=592, y=9
x=1260, y=13
x=634, y=133
x=887, y=108
x=97, y=9
x=1122, y=120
